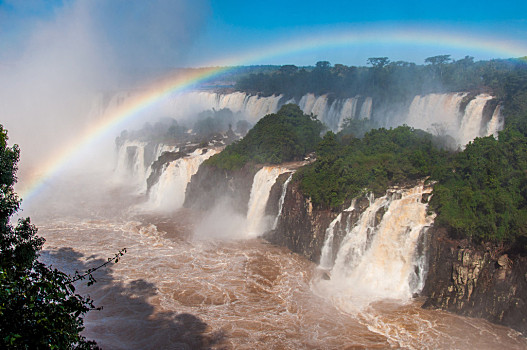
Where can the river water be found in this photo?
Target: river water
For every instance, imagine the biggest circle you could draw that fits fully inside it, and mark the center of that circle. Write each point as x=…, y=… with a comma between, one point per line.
x=173, y=291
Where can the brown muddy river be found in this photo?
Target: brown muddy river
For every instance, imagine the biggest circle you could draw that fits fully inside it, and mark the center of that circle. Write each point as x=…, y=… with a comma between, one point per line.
x=171, y=291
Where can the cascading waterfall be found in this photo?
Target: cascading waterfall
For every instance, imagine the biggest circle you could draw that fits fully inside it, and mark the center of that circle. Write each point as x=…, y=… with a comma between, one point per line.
x=348, y=111
x=442, y=111
x=340, y=109
x=496, y=122
x=377, y=257
x=427, y=112
x=471, y=122
x=365, y=110
x=282, y=200
x=168, y=193
x=131, y=161
x=326, y=256
x=257, y=222
x=159, y=150
x=252, y=107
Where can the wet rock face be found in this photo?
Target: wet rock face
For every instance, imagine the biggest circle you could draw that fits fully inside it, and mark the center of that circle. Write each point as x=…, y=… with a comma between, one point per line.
x=477, y=281
x=211, y=186
x=301, y=228
x=159, y=164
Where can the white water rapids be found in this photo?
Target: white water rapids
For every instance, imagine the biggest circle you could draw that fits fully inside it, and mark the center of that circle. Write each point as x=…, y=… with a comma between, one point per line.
x=173, y=291
x=168, y=193
x=257, y=222
x=378, y=257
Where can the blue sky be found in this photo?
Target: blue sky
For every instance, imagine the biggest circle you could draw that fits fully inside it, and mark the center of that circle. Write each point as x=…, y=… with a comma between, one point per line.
x=218, y=30
x=58, y=54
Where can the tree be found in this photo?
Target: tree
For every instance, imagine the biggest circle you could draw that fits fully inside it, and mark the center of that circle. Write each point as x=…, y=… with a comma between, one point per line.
x=323, y=65
x=438, y=62
x=38, y=305
x=288, y=69
x=284, y=136
x=378, y=62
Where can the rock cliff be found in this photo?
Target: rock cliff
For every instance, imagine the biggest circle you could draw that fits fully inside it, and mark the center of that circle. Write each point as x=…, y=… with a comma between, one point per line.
x=483, y=281
x=211, y=186
x=301, y=228
x=476, y=280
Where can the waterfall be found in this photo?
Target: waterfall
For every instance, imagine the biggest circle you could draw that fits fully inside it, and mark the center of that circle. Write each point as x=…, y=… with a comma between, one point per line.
x=365, y=109
x=377, y=258
x=281, y=201
x=326, y=256
x=251, y=107
x=496, y=123
x=426, y=112
x=306, y=103
x=159, y=150
x=131, y=161
x=169, y=192
x=442, y=111
x=349, y=109
x=257, y=222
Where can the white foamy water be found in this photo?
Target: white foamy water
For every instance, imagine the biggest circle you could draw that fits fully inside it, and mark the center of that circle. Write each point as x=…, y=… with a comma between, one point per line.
x=168, y=193
x=427, y=112
x=257, y=221
x=281, y=200
x=131, y=161
x=378, y=257
x=171, y=291
x=441, y=112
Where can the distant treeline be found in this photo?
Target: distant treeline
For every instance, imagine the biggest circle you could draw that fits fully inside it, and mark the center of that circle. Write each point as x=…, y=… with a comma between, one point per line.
x=389, y=81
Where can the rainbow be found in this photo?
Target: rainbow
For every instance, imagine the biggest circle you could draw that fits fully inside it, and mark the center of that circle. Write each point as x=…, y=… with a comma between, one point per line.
x=342, y=39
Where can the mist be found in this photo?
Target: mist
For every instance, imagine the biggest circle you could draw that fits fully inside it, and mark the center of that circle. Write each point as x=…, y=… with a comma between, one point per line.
x=59, y=70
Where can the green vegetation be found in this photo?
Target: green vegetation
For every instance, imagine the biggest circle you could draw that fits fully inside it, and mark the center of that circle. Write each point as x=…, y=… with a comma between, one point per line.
x=480, y=192
x=388, y=81
x=38, y=305
x=483, y=195
x=284, y=136
x=382, y=158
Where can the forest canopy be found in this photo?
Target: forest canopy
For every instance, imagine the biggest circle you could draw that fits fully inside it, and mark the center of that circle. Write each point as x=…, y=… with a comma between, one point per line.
x=284, y=136
x=386, y=80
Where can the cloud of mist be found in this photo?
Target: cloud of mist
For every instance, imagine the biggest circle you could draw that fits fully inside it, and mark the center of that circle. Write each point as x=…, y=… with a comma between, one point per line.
x=222, y=222
x=57, y=57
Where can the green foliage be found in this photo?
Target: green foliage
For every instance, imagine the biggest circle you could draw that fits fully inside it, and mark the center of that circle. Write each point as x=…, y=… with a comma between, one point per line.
x=38, y=305
x=398, y=81
x=480, y=192
x=381, y=159
x=285, y=136
x=483, y=195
